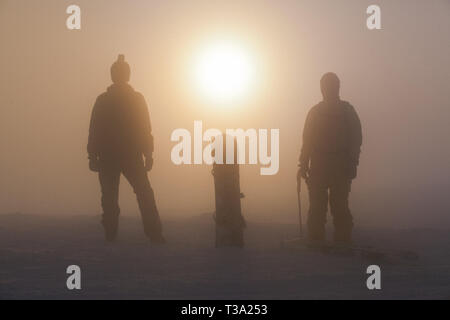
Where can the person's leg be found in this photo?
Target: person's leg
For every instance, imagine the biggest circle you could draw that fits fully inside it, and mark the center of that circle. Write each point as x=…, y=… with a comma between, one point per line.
x=109, y=176
x=136, y=175
x=339, y=207
x=318, y=207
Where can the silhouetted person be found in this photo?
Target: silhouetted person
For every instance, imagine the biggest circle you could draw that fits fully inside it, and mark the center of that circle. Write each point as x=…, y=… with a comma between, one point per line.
x=119, y=139
x=329, y=159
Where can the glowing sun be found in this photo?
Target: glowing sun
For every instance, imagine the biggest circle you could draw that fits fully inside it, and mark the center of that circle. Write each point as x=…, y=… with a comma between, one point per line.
x=223, y=71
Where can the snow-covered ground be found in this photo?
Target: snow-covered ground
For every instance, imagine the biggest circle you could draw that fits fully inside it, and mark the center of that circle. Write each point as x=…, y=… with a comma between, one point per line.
x=36, y=250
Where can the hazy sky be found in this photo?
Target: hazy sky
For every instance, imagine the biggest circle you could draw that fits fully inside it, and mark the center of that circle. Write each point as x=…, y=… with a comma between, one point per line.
x=397, y=78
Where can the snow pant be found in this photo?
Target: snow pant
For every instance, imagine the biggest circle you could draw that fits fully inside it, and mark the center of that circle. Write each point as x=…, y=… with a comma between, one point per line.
x=333, y=189
x=134, y=171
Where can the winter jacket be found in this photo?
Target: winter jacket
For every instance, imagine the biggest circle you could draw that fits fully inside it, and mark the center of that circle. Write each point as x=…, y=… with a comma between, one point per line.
x=332, y=137
x=120, y=124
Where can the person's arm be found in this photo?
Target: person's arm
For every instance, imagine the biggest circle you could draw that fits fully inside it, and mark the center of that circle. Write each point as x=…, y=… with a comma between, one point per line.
x=147, y=144
x=305, y=154
x=147, y=141
x=355, y=137
x=92, y=146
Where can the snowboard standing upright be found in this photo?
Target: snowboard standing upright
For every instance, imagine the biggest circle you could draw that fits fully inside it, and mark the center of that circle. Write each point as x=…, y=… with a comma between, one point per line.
x=230, y=223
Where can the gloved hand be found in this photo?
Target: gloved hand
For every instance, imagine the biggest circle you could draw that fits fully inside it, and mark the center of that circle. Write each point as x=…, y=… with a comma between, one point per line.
x=94, y=164
x=148, y=163
x=303, y=172
x=352, y=171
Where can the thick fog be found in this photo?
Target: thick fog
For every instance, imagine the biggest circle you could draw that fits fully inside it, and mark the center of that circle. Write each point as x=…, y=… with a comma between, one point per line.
x=397, y=78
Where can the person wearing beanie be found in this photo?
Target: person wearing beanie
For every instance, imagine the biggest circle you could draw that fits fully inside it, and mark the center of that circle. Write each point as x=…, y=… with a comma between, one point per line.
x=332, y=139
x=121, y=142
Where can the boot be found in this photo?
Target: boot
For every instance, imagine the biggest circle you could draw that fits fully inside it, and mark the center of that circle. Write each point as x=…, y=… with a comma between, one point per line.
x=316, y=235
x=157, y=239
x=110, y=227
x=343, y=236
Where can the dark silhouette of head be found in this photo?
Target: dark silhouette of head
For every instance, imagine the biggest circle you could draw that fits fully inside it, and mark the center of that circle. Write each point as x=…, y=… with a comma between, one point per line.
x=120, y=71
x=330, y=85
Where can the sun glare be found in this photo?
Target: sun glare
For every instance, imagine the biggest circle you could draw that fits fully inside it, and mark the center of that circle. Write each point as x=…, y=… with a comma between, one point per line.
x=223, y=72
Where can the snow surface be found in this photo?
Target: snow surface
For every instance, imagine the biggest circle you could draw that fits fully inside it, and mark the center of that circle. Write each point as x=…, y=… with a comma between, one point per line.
x=36, y=250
